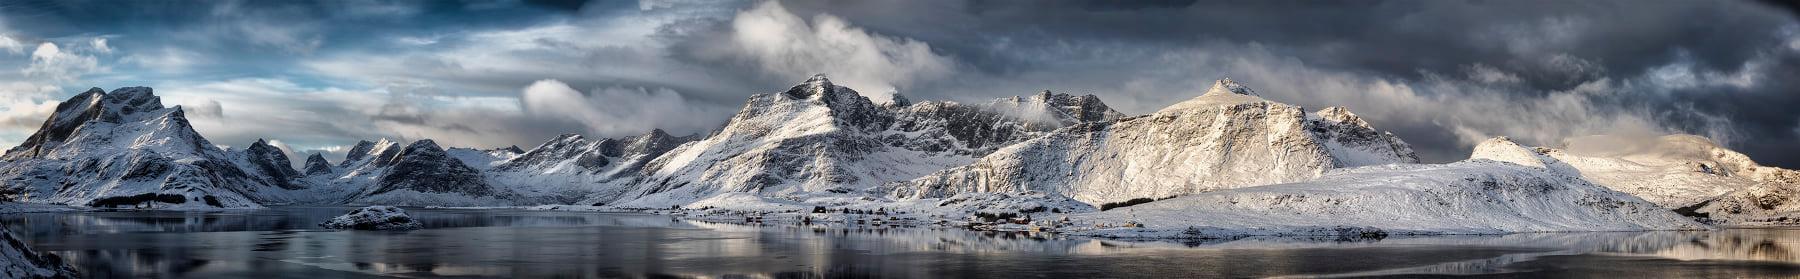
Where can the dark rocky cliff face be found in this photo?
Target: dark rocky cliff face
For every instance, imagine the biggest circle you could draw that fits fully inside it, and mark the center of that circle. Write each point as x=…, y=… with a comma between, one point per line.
x=317, y=165
x=425, y=167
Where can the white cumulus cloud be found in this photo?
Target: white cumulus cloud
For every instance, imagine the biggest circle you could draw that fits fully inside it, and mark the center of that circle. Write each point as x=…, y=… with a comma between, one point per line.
x=615, y=110
x=51, y=62
x=791, y=47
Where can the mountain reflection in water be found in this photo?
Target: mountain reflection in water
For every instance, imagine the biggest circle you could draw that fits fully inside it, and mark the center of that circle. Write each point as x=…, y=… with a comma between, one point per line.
x=286, y=243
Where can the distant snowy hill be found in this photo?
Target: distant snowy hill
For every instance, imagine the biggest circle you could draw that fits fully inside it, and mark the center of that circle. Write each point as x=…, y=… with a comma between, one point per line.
x=125, y=149
x=1223, y=139
x=1470, y=197
x=572, y=167
x=1689, y=174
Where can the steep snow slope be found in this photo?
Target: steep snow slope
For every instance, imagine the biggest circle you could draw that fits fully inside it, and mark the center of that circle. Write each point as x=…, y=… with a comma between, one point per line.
x=125, y=149
x=1469, y=197
x=572, y=167
x=1686, y=173
x=19, y=261
x=1225, y=138
x=483, y=159
x=820, y=139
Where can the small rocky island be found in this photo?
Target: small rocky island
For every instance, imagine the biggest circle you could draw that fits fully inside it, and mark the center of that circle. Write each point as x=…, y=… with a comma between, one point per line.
x=382, y=218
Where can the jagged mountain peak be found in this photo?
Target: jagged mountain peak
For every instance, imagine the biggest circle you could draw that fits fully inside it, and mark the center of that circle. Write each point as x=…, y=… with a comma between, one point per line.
x=317, y=165
x=105, y=148
x=899, y=101
x=818, y=78
x=1224, y=92
x=424, y=168
x=424, y=145
x=269, y=162
x=1342, y=115
x=123, y=105
x=1061, y=109
x=1228, y=86
x=381, y=153
x=818, y=86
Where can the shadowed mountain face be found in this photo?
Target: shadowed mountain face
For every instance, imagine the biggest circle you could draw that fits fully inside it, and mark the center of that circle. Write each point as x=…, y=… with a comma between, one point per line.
x=317, y=165
x=424, y=167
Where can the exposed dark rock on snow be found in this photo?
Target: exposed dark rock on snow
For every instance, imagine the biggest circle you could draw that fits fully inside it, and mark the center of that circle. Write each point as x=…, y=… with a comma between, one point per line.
x=381, y=218
x=18, y=261
x=269, y=164
x=424, y=167
x=317, y=165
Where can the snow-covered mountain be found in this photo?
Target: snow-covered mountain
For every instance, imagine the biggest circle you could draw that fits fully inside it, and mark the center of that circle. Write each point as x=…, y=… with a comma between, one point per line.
x=1689, y=174
x=572, y=167
x=316, y=165
x=1226, y=162
x=821, y=139
x=424, y=174
x=1469, y=197
x=267, y=163
x=1226, y=138
x=484, y=159
x=125, y=149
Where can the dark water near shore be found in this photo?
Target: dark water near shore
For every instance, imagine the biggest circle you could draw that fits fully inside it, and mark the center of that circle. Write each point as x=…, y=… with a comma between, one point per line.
x=285, y=243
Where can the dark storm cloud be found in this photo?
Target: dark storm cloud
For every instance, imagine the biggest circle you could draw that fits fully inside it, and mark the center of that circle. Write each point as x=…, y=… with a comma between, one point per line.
x=1535, y=48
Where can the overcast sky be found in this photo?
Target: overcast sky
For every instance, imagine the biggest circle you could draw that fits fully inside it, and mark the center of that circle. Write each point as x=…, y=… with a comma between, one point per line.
x=318, y=76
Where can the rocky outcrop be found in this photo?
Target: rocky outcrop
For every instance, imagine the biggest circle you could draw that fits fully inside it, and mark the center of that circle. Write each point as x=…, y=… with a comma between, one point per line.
x=18, y=261
x=374, y=218
x=317, y=165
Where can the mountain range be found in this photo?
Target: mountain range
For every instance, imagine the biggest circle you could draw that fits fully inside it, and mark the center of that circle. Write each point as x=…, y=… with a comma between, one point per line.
x=1224, y=162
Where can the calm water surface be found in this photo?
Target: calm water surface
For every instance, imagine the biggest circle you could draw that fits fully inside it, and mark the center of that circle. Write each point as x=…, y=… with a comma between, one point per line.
x=286, y=243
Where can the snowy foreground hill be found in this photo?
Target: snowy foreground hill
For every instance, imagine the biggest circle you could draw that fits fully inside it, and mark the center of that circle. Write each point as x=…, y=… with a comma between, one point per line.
x=1224, y=163
x=1688, y=174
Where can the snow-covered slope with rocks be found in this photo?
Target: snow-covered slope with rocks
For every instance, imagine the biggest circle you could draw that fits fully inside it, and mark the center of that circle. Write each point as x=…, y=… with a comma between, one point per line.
x=572, y=167
x=423, y=174
x=19, y=261
x=1469, y=197
x=1225, y=138
x=125, y=149
x=1689, y=174
x=380, y=218
x=267, y=163
x=820, y=139
x=484, y=159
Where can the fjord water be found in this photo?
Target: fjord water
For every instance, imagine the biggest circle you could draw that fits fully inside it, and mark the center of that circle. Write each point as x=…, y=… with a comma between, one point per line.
x=284, y=242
